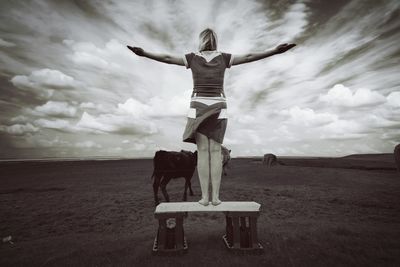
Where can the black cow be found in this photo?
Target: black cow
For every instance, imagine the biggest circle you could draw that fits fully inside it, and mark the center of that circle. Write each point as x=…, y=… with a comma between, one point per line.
x=169, y=165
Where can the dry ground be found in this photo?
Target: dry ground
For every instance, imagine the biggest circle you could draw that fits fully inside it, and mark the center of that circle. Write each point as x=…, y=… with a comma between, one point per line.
x=315, y=212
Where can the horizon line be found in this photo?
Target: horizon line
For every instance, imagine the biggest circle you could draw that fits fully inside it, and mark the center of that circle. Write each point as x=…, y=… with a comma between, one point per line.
x=137, y=158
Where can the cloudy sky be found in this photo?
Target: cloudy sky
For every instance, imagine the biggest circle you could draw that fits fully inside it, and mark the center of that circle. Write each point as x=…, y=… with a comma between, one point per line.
x=70, y=88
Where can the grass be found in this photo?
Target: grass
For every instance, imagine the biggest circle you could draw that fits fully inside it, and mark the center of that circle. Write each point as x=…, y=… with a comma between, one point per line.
x=100, y=213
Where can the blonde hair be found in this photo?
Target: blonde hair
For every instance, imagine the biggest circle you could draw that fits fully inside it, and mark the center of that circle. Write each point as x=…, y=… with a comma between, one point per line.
x=207, y=40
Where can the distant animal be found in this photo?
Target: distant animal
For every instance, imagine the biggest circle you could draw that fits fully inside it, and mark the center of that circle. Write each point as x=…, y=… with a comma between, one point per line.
x=169, y=165
x=226, y=157
x=396, y=153
x=270, y=160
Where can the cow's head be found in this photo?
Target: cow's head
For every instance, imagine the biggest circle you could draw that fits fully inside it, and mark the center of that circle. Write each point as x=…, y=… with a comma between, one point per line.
x=191, y=154
x=226, y=153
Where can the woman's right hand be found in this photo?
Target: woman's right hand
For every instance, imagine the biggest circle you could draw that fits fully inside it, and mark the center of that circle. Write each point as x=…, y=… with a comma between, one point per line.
x=283, y=48
x=137, y=50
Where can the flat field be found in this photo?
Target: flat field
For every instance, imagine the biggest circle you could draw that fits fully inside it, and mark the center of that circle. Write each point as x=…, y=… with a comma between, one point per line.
x=314, y=212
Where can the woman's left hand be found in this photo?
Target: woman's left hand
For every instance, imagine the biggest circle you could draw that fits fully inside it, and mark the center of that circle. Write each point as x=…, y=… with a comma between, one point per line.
x=137, y=50
x=283, y=48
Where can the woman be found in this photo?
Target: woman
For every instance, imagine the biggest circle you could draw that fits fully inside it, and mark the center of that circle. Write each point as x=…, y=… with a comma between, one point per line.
x=207, y=119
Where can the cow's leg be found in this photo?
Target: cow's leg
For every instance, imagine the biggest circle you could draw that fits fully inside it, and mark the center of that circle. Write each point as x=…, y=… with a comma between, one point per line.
x=203, y=166
x=224, y=169
x=188, y=184
x=163, y=186
x=216, y=170
x=156, y=185
x=190, y=187
x=185, y=191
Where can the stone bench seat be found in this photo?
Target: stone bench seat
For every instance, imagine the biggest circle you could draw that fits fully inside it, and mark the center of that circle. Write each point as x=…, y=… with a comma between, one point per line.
x=226, y=206
x=241, y=225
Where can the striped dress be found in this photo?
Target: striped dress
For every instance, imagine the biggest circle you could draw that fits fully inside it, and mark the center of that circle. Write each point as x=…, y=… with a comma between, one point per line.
x=207, y=114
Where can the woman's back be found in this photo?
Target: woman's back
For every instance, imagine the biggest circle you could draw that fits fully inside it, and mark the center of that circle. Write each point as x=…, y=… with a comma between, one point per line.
x=208, y=70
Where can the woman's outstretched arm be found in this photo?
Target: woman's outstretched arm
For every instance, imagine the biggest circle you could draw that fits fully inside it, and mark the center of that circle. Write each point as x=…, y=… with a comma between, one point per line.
x=159, y=57
x=250, y=57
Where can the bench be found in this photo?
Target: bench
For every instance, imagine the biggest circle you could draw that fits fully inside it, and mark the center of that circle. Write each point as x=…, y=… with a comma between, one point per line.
x=241, y=225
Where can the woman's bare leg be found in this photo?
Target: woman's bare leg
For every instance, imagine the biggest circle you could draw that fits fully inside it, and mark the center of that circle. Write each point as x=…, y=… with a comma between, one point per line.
x=203, y=167
x=216, y=170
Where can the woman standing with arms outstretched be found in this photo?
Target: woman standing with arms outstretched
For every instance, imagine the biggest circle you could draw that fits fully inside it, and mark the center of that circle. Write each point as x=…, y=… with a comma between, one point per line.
x=207, y=119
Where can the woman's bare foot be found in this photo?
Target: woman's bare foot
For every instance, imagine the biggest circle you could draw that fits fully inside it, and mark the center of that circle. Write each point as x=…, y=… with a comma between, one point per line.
x=203, y=202
x=216, y=202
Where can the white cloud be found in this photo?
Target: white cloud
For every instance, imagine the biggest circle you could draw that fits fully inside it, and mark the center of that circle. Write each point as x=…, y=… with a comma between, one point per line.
x=20, y=119
x=90, y=123
x=56, y=142
x=307, y=116
x=157, y=106
x=141, y=144
x=135, y=108
x=393, y=99
x=5, y=43
x=114, y=150
x=19, y=129
x=91, y=105
x=45, y=82
x=44, y=78
x=88, y=144
x=23, y=82
x=87, y=54
x=292, y=24
x=52, y=78
x=138, y=146
x=114, y=123
x=342, y=96
x=342, y=129
x=244, y=119
x=231, y=141
x=176, y=105
x=284, y=132
x=342, y=136
x=245, y=136
x=83, y=58
x=87, y=105
x=377, y=122
x=57, y=108
x=56, y=124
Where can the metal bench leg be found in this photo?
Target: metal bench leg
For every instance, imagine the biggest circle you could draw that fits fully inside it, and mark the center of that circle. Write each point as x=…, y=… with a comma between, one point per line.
x=179, y=233
x=170, y=235
x=241, y=231
x=162, y=233
x=236, y=232
x=253, y=232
